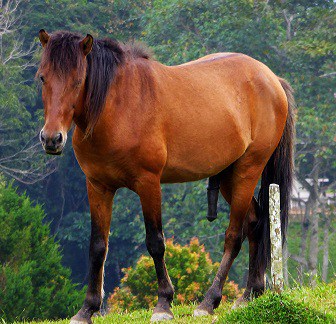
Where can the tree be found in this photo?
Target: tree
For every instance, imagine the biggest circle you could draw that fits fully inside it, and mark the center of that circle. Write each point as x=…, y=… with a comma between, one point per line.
x=33, y=283
x=180, y=30
x=19, y=155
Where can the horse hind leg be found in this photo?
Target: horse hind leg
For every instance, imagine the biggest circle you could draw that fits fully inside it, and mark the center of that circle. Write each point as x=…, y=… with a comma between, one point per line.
x=257, y=267
x=255, y=282
x=256, y=276
x=242, y=180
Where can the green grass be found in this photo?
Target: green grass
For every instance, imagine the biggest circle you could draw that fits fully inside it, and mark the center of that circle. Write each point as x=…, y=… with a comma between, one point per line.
x=299, y=305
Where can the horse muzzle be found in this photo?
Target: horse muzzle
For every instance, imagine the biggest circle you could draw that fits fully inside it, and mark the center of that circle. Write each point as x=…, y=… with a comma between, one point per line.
x=52, y=143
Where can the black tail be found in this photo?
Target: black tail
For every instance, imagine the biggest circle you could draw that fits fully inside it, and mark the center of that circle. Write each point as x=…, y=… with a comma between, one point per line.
x=279, y=170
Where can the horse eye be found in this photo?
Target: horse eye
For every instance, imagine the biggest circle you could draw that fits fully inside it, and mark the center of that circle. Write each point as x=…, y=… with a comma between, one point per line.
x=42, y=79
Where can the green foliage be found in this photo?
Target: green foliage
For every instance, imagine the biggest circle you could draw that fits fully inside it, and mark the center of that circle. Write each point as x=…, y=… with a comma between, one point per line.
x=126, y=18
x=33, y=283
x=81, y=16
x=273, y=308
x=182, y=30
x=191, y=271
x=14, y=96
x=19, y=158
x=321, y=297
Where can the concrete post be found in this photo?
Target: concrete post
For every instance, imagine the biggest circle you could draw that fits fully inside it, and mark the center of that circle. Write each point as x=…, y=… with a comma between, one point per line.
x=276, y=240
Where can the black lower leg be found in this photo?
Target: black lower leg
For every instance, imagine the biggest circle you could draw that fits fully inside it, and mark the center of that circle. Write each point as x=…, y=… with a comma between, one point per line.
x=255, y=283
x=93, y=299
x=156, y=248
x=257, y=266
x=213, y=190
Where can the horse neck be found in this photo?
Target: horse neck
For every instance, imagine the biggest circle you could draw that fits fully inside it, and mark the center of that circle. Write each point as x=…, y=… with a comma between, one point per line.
x=134, y=77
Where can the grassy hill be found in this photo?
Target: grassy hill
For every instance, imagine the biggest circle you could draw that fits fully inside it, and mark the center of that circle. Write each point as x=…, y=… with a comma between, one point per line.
x=299, y=305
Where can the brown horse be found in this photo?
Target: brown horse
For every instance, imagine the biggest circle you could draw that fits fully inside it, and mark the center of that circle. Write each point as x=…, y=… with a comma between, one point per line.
x=140, y=123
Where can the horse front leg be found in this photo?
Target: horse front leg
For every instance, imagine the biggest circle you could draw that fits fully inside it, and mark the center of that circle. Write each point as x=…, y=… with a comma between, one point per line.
x=149, y=191
x=101, y=209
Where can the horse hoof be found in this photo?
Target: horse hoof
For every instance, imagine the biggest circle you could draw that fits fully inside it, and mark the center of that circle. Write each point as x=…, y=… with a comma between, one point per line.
x=157, y=317
x=201, y=312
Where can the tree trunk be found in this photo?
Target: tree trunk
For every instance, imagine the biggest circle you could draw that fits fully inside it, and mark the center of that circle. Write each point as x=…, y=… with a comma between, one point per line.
x=314, y=239
x=304, y=234
x=325, y=263
x=288, y=18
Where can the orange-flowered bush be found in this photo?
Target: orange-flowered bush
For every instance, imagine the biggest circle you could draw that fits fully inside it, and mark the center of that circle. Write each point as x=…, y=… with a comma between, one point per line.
x=191, y=271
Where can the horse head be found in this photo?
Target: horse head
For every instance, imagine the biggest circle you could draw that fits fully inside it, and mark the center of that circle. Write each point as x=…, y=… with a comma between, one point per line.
x=62, y=73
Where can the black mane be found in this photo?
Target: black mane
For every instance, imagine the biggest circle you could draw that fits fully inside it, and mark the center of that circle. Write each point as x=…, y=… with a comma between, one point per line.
x=62, y=54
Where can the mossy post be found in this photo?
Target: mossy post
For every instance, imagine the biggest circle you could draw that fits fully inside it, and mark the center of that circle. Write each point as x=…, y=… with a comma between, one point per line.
x=276, y=240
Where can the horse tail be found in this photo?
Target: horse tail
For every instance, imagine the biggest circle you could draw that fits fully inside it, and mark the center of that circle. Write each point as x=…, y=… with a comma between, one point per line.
x=279, y=170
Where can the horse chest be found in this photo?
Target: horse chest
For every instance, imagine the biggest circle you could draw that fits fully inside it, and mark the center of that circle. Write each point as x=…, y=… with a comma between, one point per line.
x=104, y=166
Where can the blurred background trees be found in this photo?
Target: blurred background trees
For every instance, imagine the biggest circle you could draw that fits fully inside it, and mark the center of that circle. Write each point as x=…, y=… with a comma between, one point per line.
x=20, y=156
x=295, y=38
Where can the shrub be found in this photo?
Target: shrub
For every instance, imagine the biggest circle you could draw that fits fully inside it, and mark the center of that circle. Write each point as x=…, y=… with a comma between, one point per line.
x=33, y=283
x=274, y=308
x=191, y=271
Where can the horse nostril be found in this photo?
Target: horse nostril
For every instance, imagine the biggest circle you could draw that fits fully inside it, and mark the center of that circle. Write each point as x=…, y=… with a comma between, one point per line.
x=58, y=138
x=42, y=137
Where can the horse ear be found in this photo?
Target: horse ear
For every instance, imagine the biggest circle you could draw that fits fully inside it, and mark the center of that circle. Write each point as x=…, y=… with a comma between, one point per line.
x=86, y=44
x=44, y=37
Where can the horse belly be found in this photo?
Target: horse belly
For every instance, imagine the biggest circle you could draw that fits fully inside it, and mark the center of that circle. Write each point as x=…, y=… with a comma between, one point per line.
x=199, y=158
